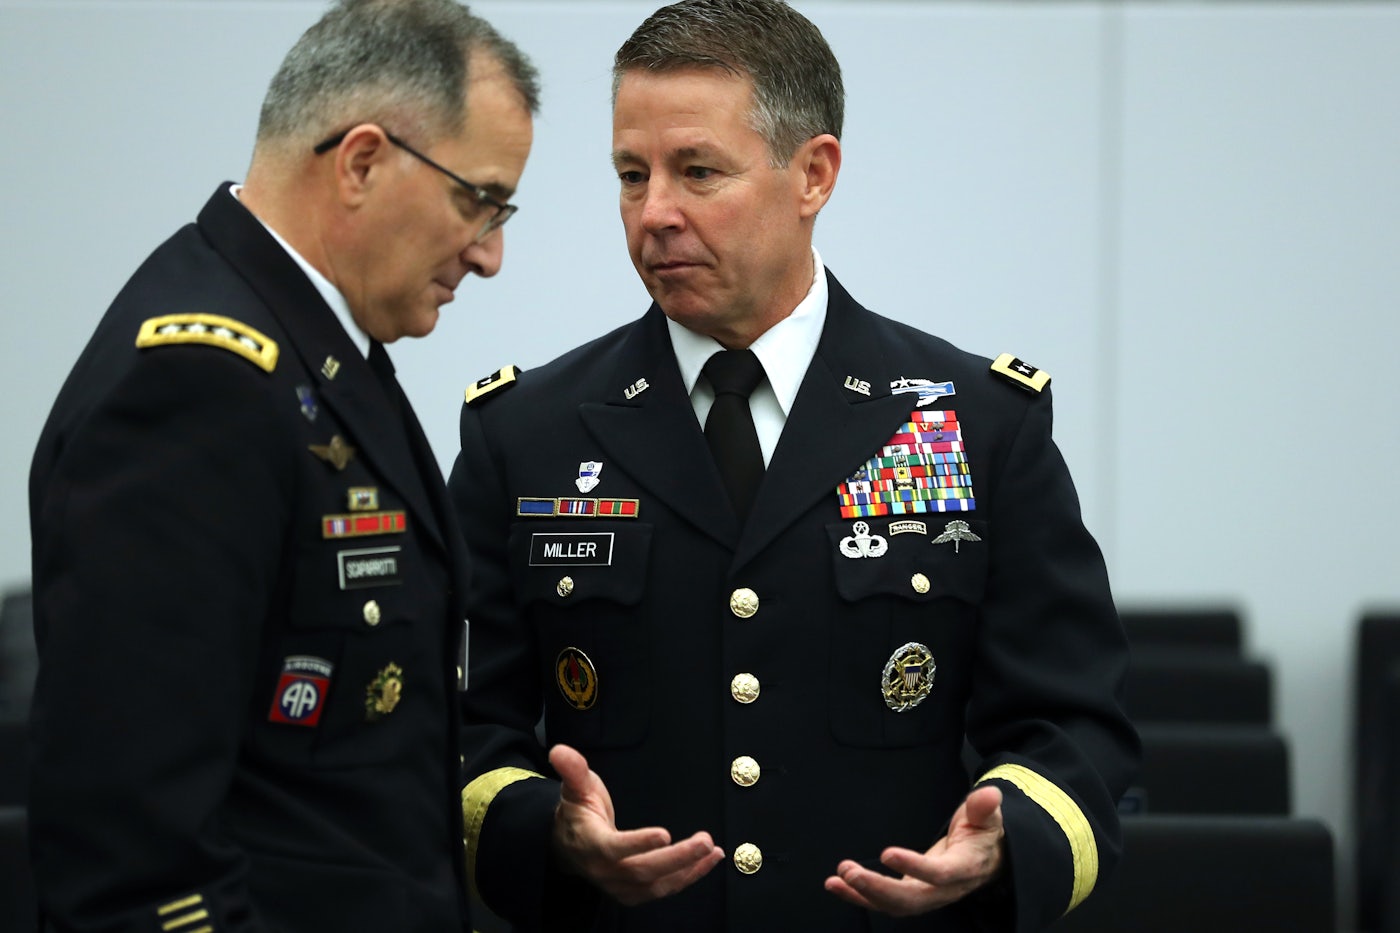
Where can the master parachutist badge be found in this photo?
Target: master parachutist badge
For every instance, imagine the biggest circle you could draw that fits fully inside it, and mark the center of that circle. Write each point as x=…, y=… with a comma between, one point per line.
x=861, y=543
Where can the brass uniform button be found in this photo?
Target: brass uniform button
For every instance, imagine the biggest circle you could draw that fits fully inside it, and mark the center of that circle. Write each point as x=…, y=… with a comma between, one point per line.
x=372, y=614
x=748, y=858
x=744, y=688
x=920, y=583
x=743, y=602
x=745, y=771
x=565, y=586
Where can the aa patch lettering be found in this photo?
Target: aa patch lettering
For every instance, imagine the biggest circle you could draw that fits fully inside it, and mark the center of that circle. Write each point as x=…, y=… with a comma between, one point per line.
x=301, y=691
x=371, y=566
x=581, y=549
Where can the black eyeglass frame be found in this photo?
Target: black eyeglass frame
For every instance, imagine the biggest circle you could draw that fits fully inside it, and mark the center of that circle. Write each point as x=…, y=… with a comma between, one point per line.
x=495, y=221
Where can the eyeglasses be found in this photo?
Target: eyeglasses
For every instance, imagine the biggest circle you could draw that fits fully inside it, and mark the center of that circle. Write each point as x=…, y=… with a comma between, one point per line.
x=498, y=212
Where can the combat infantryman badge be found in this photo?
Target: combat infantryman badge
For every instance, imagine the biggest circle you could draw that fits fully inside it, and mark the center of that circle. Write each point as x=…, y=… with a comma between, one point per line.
x=577, y=678
x=908, y=677
x=384, y=693
x=301, y=691
x=956, y=531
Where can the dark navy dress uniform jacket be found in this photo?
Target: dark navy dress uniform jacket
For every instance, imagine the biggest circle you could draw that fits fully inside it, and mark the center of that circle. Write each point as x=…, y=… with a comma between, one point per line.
x=1027, y=646
x=188, y=561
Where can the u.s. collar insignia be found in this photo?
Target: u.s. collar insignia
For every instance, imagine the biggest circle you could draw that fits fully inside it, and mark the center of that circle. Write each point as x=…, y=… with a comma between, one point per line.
x=1022, y=374
x=908, y=677
x=588, y=475
x=307, y=399
x=635, y=389
x=861, y=543
x=956, y=531
x=384, y=693
x=858, y=386
x=301, y=691
x=330, y=367
x=927, y=390
x=337, y=453
x=577, y=678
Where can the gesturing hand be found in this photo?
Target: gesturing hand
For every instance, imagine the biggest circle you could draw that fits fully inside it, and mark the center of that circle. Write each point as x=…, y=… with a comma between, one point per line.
x=959, y=863
x=632, y=866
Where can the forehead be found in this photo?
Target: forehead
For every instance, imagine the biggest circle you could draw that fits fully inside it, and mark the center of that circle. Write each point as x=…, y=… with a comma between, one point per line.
x=687, y=106
x=496, y=139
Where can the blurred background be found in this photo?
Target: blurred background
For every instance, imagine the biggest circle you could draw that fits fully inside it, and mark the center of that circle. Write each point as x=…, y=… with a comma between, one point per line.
x=1185, y=211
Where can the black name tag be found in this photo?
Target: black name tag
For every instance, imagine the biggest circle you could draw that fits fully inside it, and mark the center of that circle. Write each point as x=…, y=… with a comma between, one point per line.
x=369, y=566
x=573, y=549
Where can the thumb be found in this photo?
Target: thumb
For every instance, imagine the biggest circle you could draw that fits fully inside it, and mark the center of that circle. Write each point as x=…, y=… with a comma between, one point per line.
x=573, y=771
x=982, y=808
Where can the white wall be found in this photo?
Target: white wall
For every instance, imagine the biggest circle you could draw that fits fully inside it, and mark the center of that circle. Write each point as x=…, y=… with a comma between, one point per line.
x=1186, y=212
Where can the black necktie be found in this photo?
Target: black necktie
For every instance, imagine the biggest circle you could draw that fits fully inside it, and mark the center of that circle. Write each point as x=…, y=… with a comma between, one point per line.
x=729, y=429
x=384, y=368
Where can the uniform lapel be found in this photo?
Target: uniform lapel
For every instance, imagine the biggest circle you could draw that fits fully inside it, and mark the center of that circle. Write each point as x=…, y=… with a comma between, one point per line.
x=654, y=435
x=349, y=388
x=832, y=428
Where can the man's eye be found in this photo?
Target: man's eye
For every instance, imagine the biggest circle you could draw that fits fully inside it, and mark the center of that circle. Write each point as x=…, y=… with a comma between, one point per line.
x=630, y=178
x=699, y=172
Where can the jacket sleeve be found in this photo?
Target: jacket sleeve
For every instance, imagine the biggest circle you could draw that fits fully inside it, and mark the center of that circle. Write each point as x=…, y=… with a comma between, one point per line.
x=1046, y=715
x=157, y=523
x=509, y=801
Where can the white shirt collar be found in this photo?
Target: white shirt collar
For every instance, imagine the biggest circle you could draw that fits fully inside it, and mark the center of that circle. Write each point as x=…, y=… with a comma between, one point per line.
x=785, y=349
x=328, y=291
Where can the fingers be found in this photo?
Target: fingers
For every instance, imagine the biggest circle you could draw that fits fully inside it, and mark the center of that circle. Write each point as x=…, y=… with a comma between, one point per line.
x=959, y=863
x=632, y=866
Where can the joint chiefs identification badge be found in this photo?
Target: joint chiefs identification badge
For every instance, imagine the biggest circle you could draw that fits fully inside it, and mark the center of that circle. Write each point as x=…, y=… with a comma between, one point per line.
x=577, y=678
x=384, y=693
x=301, y=691
x=908, y=677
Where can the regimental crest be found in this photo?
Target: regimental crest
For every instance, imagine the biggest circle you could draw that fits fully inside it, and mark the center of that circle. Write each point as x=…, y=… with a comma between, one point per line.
x=956, y=531
x=383, y=693
x=577, y=678
x=908, y=677
x=588, y=477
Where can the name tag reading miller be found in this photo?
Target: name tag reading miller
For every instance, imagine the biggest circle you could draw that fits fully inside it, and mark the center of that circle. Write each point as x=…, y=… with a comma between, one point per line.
x=578, y=549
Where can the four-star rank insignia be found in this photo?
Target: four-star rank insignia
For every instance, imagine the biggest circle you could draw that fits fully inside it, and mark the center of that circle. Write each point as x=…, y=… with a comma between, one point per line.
x=908, y=677
x=384, y=693
x=577, y=678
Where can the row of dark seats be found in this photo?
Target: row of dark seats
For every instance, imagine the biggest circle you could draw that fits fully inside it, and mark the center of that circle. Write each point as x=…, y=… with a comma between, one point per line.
x=1210, y=839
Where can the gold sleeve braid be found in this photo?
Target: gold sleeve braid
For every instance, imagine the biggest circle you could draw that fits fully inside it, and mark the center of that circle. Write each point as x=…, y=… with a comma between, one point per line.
x=1049, y=797
x=477, y=798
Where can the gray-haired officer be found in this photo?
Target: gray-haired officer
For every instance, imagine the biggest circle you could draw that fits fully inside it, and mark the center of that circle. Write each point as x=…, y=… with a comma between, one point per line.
x=248, y=580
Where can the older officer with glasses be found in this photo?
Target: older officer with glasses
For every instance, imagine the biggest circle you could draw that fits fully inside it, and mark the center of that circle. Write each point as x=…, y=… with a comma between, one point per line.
x=247, y=577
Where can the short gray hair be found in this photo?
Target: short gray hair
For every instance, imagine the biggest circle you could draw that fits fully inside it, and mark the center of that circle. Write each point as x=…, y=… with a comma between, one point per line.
x=798, y=92
x=402, y=63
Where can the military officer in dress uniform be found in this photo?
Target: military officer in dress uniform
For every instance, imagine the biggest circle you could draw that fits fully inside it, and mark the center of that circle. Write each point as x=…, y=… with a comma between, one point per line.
x=248, y=578
x=766, y=563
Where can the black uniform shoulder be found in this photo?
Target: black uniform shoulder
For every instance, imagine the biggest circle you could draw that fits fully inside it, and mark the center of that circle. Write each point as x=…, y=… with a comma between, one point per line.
x=576, y=371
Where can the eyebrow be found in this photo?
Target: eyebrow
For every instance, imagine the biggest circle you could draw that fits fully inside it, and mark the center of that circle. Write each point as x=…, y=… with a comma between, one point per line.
x=685, y=152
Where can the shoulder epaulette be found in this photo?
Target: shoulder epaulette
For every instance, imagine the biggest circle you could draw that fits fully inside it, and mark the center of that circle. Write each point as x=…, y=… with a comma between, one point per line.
x=211, y=330
x=1022, y=374
x=502, y=378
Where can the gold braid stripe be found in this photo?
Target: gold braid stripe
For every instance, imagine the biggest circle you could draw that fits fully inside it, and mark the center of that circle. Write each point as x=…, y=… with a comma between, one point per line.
x=1054, y=801
x=476, y=799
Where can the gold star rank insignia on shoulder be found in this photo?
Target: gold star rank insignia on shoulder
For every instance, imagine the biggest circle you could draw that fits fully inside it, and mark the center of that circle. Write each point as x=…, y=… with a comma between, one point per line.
x=502, y=378
x=210, y=330
x=1021, y=374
